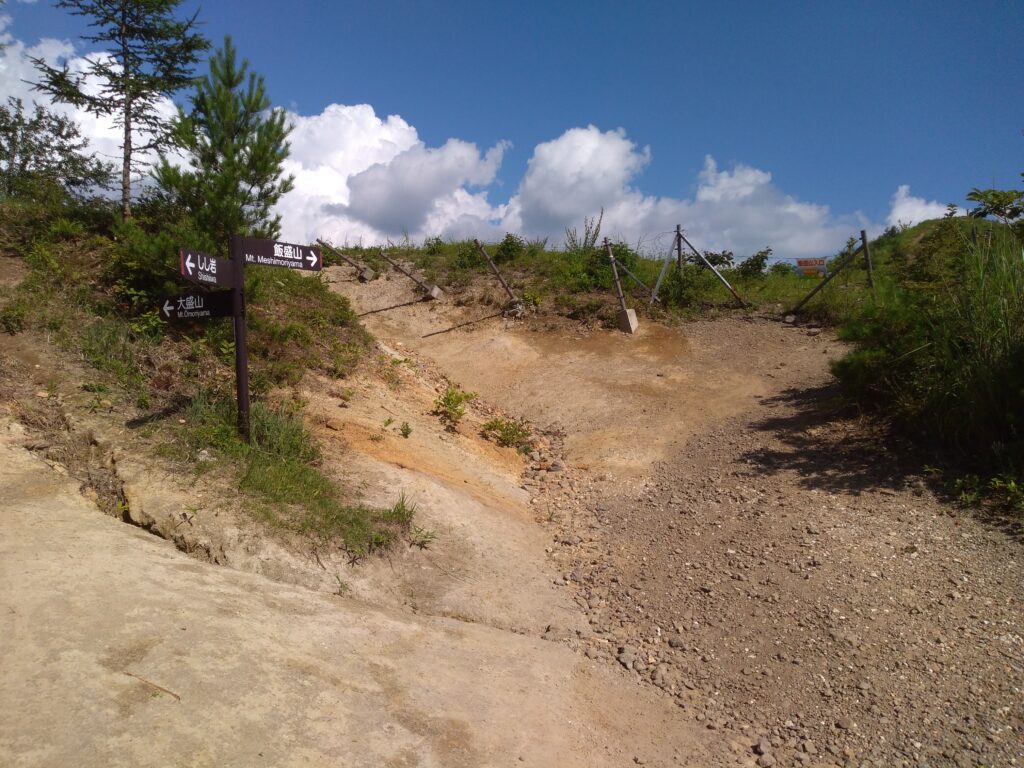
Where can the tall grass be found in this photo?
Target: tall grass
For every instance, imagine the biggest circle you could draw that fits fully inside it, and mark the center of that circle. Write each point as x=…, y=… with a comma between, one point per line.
x=946, y=354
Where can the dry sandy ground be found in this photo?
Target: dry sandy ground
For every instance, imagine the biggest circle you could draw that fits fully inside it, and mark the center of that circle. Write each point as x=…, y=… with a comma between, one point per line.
x=117, y=649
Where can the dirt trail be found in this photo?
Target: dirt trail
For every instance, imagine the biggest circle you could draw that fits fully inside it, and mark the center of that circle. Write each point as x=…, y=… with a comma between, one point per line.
x=726, y=572
x=737, y=542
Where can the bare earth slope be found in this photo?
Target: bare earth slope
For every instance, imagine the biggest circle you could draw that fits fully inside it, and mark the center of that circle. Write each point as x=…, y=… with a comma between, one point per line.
x=773, y=564
x=118, y=650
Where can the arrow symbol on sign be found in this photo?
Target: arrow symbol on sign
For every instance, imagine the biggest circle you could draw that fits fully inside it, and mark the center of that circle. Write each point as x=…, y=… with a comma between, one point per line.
x=312, y=257
x=188, y=263
x=167, y=308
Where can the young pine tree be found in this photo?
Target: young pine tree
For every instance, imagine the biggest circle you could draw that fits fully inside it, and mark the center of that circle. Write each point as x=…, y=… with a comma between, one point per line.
x=149, y=57
x=235, y=149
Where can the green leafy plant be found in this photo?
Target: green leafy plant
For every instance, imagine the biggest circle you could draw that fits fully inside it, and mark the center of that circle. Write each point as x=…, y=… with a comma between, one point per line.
x=237, y=145
x=343, y=587
x=509, y=249
x=510, y=433
x=405, y=430
x=451, y=405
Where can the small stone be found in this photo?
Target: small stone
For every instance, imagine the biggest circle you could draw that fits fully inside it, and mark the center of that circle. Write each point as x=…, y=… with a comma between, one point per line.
x=765, y=761
x=809, y=747
x=844, y=723
x=763, y=747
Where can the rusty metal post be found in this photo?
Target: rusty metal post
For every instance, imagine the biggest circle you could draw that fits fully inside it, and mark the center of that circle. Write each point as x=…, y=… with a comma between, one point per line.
x=627, y=317
x=711, y=266
x=867, y=261
x=615, y=275
x=661, y=276
x=365, y=273
x=432, y=291
x=839, y=267
x=511, y=296
x=679, y=247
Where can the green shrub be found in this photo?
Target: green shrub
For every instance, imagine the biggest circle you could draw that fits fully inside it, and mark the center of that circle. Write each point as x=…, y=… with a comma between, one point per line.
x=943, y=348
x=13, y=315
x=509, y=249
x=451, y=405
x=754, y=266
x=509, y=433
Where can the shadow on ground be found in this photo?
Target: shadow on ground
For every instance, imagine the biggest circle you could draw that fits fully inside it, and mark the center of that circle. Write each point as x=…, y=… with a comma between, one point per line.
x=831, y=446
x=834, y=447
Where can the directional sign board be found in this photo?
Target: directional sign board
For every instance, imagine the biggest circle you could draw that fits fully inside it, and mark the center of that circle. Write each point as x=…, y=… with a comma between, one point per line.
x=197, y=305
x=269, y=253
x=206, y=270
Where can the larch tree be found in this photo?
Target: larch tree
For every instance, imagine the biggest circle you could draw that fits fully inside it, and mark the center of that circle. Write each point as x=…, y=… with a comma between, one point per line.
x=149, y=56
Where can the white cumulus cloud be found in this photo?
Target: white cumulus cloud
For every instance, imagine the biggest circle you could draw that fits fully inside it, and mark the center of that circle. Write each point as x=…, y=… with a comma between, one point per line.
x=586, y=170
x=905, y=209
x=363, y=178
x=360, y=178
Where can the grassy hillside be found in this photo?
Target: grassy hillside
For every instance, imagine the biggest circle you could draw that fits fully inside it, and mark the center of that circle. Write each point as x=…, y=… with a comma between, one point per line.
x=93, y=289
x=578, y=282
x=942, y=348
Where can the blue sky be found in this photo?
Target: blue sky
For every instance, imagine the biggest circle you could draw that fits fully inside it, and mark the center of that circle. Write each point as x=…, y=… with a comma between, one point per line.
x=841, y=103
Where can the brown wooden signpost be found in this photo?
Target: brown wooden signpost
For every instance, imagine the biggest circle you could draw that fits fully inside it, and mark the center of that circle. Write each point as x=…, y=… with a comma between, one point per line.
x=200, y=268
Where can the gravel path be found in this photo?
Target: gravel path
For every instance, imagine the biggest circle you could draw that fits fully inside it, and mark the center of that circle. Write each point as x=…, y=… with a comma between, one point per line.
x=787, y=578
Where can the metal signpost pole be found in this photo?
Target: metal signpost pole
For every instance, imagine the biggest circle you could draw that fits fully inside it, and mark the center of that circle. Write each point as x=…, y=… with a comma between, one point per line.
x=241, y=351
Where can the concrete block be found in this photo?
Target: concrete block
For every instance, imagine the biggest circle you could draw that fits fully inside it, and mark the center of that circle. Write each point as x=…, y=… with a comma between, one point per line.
x=627, y=321
x=367, y=275
x=434, y=292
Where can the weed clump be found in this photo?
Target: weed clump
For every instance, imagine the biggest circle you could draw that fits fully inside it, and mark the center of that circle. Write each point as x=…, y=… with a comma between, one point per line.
x=943, y=348
x=451, y=405
x=509, y=433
